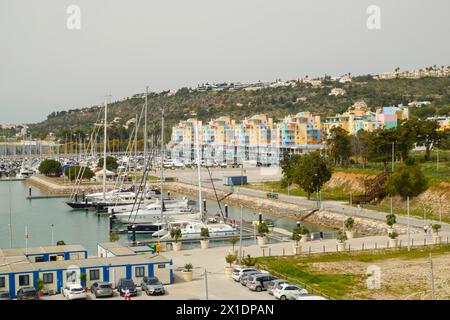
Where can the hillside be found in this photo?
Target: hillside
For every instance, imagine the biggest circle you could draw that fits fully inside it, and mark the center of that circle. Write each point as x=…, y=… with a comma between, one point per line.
x=276, y=102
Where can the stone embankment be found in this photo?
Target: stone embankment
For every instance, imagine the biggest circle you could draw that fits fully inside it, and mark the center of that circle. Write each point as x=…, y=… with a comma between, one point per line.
x=325, y=218
x=55, y=186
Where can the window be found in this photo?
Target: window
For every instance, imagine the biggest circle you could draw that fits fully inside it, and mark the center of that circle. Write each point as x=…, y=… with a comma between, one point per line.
x=47, y=278
x=94, y=274
x=71, y=276
x=139, y=272
x=24, y=280
x=39, y=259
x=2, y=282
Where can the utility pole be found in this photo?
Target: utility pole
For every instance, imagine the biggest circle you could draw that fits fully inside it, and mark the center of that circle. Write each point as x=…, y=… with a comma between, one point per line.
x=437, y=160
x=409, y=235
x=162, y=163
x=206, y=284
x=393, y=156
x=433, y=294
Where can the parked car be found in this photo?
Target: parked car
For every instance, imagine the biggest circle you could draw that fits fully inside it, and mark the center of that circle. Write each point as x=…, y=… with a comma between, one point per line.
x=126, y=284
x=238, y=272
x=309, y=297
x=288, y=291
x=74, y=291
x=152, y=285
x=259, y=282
x=245, y=276
x=4, y=295
x=102, y=289
x=28, y=293
x=272, y=285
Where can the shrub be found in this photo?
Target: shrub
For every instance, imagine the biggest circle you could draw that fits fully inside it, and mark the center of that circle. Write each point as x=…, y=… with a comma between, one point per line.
x=188, y=267
x=341, y=236
x=391, y=219
x=393, y=235
x=204, y=233
x=349, y=223
x=78, y=172
x=111, y=163
x=248, y=261
x=175, y=233
x=263, y=229
x=436, y=227
x=230, y=258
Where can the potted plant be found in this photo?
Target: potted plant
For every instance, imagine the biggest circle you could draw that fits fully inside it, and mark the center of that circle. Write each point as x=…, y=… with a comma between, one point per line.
x=304, y=233
x=393, y=241
x=204, y=233
x=349, y=223
x=233, y=242
x=187, y=272
x=391, y=219
x=175, y=234
x=437, y=238
x=40, y=286
x=262, y=231
x=296, y=236
x=341, y=239
x=230, y=258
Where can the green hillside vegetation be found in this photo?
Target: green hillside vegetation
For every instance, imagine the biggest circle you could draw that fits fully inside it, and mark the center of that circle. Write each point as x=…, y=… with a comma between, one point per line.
x=276, y=102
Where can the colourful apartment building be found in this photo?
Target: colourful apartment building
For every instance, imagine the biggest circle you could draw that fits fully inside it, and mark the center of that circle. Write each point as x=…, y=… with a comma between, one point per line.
x=264, y=140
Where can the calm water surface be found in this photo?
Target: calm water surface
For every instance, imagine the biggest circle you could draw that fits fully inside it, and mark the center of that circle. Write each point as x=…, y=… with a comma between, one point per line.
x=76, y=227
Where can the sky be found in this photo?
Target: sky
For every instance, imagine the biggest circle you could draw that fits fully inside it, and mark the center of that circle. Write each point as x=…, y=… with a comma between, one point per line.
x=123, y=46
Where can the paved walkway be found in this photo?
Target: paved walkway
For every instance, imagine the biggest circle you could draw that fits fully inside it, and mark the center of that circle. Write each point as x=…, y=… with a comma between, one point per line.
x=254, y=176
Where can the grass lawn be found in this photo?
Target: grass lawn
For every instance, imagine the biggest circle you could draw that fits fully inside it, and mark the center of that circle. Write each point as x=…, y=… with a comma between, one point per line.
x=275, y=186
x=336, y=283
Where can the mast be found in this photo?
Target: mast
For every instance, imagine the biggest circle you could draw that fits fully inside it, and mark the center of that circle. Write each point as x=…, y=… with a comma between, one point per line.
x=145, y=125
x=197, y=142
x=104, y=149
x=162, y=163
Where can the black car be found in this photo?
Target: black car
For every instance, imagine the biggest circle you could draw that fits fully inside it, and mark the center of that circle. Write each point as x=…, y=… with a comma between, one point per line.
x=126, y=284
x=28, y=293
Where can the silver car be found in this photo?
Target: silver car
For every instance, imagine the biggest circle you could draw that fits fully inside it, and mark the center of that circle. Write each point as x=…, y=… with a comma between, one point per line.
x=259, y=282
x=102, y=289
x=245, y=275
x=152, y=285
x=272, y=285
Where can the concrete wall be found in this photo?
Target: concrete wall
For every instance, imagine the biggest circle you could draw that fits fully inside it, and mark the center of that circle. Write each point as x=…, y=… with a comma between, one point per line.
x=162, y=271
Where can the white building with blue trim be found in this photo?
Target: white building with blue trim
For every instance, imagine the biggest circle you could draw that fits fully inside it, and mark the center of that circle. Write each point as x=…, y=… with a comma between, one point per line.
x=58, y=265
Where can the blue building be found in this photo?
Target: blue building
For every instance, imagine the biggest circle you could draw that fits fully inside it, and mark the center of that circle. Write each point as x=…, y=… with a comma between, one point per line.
x=20, y=268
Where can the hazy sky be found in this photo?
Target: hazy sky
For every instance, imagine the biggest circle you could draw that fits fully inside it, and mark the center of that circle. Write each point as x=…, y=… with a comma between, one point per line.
x=125, y=45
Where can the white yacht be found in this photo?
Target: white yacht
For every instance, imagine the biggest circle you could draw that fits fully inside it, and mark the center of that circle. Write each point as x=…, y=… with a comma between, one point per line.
x=192, y=229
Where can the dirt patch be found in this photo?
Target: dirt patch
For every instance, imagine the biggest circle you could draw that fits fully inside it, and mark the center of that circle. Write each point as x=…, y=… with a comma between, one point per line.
x=402, y=279
x=348, y=182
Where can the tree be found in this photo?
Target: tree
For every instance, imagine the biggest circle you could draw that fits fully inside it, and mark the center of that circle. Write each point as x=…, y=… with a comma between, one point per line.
x=175, y=233
x=349, y=223
x=77, y=172
x=310, y=172
x=407, y=181
x=111, y=163
x=427, y=135
x=406, y=137
x=339, y=144
x=379, y=146
x=60, y=243
x=391, y=219
x=50, y=167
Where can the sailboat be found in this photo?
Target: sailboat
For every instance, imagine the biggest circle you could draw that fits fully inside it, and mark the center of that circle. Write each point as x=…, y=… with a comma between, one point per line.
x=191, y=228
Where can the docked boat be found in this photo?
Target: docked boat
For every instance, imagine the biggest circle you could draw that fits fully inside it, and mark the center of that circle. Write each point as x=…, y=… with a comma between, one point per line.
x=192, y=229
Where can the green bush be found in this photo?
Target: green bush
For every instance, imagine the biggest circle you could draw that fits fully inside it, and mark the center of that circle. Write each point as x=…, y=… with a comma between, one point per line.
x=230, y=258
x=204, y=233
x=263, y=229
x=349, y=223
x=50, y=167
x=78, y=172
x=111, y=163
x=391, y=219
x=175, y=233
